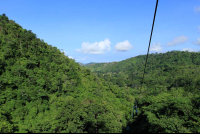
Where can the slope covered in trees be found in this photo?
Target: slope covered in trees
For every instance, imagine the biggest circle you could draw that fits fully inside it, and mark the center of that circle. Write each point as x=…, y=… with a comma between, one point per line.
x=169, y=98
x=162, y=69
x=42, y=90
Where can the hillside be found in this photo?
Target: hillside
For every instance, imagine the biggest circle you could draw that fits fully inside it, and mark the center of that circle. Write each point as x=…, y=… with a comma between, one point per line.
x=162, y=69
x=169, y=98
x=42, y=90
x=99, y=66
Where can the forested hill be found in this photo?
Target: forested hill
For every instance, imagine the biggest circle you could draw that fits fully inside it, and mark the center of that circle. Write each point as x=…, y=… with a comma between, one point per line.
x=42, y=90
x=162, y=69
x=158, y=60
x=169, y=98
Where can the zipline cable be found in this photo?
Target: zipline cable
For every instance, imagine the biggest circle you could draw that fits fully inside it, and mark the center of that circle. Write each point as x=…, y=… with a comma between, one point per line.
x=149, y=43
x=135, y=105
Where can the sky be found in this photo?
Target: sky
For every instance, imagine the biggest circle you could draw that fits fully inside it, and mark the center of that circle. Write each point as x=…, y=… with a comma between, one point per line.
x=109, y=30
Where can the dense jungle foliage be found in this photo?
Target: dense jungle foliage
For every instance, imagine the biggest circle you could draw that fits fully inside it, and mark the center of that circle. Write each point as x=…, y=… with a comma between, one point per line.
x=42, y=90
x=169, y=99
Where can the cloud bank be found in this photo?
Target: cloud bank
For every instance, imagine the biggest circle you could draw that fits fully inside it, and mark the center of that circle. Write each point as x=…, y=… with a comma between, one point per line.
x=178, y=40
x=123, y=46
x=96, y=47
x=156, y=47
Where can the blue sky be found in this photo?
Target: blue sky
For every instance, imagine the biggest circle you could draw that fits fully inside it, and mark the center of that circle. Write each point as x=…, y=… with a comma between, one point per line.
x=109, y=30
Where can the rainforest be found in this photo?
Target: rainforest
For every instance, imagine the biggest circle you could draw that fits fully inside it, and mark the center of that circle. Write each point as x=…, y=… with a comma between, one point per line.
x=42, y=90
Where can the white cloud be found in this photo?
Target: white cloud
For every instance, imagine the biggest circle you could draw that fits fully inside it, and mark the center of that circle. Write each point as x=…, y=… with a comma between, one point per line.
x=197, y=42
x=96, y=47
x=188, y=49
x=178, y=40
x=156, y=47
x=197, y=9
x=123, y=46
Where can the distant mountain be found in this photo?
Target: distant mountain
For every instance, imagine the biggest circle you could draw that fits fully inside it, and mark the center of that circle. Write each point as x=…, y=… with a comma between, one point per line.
x=91, y=63
x=87, y=64
x=81, y=64
x=162, y=69
x=99, y=66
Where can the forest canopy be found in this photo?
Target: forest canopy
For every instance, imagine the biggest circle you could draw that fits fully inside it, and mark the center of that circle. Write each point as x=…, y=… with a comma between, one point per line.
x=42, y=90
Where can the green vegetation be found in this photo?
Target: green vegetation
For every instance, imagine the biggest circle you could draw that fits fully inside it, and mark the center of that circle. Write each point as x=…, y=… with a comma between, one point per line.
x=87, y=64
x=162, y=70
x=42, y=90
x=169, y=99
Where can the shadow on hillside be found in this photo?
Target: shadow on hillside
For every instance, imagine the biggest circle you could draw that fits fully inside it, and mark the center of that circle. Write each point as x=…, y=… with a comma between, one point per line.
x=132, y=126
x=90, y=128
